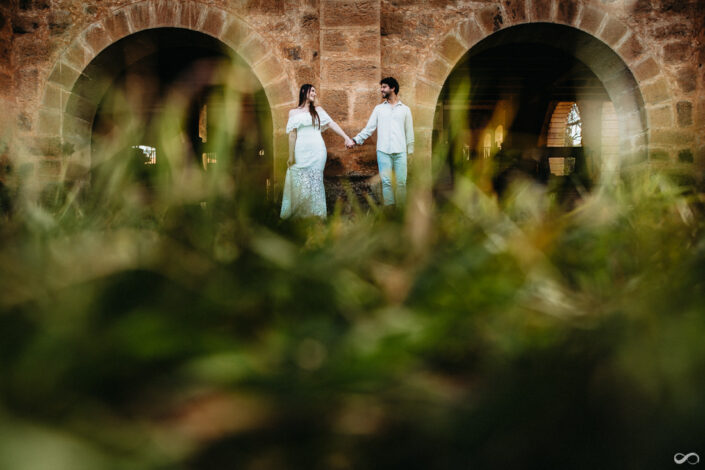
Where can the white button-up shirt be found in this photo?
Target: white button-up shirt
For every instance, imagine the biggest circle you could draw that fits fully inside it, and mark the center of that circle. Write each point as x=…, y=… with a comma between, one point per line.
x=395, y=129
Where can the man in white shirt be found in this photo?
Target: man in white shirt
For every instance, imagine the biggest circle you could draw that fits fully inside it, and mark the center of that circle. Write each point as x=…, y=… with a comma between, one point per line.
x=395, y=140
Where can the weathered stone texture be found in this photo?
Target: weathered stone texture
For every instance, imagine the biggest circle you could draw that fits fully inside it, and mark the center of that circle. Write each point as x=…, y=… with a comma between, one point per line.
x=349, y=13
x=491, y=19
x=349, y=72
x=345, y=46
x=591, y=19
x=567, y=11
x=542, y=10
x=685, y=113
x=661, y=116
x=515, y=10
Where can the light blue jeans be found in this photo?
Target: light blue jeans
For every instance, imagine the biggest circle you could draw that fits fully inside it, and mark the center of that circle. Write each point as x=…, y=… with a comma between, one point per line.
x=392, y=165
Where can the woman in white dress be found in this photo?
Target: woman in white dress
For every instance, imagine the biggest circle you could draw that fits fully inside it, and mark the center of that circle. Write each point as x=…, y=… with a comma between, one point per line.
x=304, y=195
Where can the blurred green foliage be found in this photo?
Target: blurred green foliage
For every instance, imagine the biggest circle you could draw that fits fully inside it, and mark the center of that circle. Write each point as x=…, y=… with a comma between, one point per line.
x=184, y=326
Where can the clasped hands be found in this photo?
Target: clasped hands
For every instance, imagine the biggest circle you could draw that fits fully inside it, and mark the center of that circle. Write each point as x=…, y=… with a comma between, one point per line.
x=349, y=143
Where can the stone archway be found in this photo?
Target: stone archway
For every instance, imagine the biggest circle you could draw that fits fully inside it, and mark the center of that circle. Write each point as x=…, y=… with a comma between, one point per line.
x=57, y=118
x=615, y=54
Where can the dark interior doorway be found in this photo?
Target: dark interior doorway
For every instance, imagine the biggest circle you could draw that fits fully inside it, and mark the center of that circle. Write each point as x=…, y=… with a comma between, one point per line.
x=171, y=96
x=517, y=106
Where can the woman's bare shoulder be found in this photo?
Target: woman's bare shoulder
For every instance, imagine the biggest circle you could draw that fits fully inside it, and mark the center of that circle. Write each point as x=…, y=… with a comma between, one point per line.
x=295, y=111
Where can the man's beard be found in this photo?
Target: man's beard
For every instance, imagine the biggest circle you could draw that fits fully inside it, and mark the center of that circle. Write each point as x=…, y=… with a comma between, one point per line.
x=385, y=95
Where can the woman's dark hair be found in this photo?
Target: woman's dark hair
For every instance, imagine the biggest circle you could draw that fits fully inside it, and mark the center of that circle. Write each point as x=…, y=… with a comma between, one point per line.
x=303, y=93
x=393, y=84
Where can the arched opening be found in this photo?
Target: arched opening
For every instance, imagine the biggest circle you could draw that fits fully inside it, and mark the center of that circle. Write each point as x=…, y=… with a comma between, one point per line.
x=543, y=101
x=170, y=96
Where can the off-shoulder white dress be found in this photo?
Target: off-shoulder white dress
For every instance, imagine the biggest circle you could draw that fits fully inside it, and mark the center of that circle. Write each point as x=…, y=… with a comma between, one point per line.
x=304, y=194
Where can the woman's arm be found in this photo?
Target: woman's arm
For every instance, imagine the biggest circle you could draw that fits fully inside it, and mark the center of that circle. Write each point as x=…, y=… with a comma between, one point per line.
x=292, y=146
x=335, y=127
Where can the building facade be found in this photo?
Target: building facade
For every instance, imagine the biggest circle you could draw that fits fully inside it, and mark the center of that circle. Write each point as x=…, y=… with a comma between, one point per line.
x=645, y=57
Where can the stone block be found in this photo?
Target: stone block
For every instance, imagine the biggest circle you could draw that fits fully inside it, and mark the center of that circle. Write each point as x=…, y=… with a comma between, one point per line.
x=391, y=23
x=658, y=154
x=687, y=78
x=363, y=104
x=655, y=92
x=541, y=10
x=80, y=107
x=6, y=84
x=685, y=156
x=661, y=116
x=515, y=11
x=214, y=22
x=676, y=52
x=631, y=50
x=395, y=57
x=349, y=72
x=427, y=93
x=333, y=40
x=613, y=32
x=350, y=13
x=622, y=82
x=280, y=116
x=646, y=69
x=49, y=122
x=490, y=19
x=591, y=19
x=59, y=21
x=567, y=11
x=140, y=16
x=191, y=14
x=670, y=137
x=234, y=33
x=268, y=70
x=254, y=49
x=77, y=55
x=117, y=25
x=684, y=111
x=364, y=43
x=64, y=76
x=52, y=97
x=24, y=122
x=424, y=116
x=700, y=113
x=306, y=74
x=77, y=129
x=451, y=48
x=436, y=70
x=336, y=103
x=97, y=38
x=29, y=51
x=280, y=93
x=167, y=13
x=27, y=83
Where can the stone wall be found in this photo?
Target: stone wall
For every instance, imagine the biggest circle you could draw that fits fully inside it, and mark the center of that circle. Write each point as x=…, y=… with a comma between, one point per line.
x=344, y=47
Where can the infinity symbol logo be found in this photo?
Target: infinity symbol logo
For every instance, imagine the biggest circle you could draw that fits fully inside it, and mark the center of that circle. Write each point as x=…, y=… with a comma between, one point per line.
x=692, y=458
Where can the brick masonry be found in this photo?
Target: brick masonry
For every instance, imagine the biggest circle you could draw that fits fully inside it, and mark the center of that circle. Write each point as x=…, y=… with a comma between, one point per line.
x=344, y=47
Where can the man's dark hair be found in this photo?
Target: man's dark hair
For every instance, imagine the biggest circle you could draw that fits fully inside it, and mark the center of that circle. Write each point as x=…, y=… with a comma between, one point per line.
x=393, y=84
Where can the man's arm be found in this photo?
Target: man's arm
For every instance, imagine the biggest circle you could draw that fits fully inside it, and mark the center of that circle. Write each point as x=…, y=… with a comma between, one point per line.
x=409, y=132
x=368, y=130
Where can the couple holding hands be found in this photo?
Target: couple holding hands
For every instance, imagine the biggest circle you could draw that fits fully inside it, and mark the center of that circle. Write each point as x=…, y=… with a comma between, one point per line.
x=304, y=194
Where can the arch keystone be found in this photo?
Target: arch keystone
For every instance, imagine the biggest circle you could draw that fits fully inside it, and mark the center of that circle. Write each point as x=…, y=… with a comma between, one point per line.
x=214, y=22
x=166, y=13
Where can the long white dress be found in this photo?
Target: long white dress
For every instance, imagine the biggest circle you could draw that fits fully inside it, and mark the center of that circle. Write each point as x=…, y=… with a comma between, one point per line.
x=304, y=194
